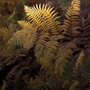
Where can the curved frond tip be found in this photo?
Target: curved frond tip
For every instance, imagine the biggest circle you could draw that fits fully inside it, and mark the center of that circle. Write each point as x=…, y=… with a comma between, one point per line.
x=44, y=17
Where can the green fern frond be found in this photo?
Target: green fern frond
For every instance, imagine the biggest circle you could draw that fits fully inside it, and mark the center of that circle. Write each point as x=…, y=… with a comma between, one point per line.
x=44, y=17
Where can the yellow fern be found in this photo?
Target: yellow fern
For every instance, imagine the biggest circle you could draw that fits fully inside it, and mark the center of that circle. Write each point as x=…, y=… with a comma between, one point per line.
x=72, y=22
x=44, y=17
x=23, y=39
x=40, y=19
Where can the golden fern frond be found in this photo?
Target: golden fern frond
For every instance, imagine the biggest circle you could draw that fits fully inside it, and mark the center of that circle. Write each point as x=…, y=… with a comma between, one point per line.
x=45, y=50
x=23, y=39
x=63, y=58
x=72, y=22
x=80, y=61
x=74, y=9
x=44, y=17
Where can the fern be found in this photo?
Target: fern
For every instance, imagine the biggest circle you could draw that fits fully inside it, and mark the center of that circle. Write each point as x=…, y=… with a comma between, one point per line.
x=53, y=58
x=44, y=17
x=72, y=22
x=80, y=61
x=81, y=66
x=81, y=82
x=25, y=37
x=86, y=68
x=63, y=56
x=45, y=50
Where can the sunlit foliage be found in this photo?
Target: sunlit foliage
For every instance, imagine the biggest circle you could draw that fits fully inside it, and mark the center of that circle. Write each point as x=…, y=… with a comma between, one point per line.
x=46, y=54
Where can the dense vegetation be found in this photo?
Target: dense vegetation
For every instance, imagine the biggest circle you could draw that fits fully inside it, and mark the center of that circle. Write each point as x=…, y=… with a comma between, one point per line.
x=41, y=49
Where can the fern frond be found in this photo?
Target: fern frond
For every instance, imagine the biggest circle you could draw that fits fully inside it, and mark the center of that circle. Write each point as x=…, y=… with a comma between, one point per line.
x=81, y=73
x=80, y=61
x=48, y=71
x=72, y=22
x=5, y=35
x=86, y=34
x=44, y=17
x=63, y=57
x=62, y=61
x=63, y=65
x=27, y=25
x=23, y=39
x=45, y=50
